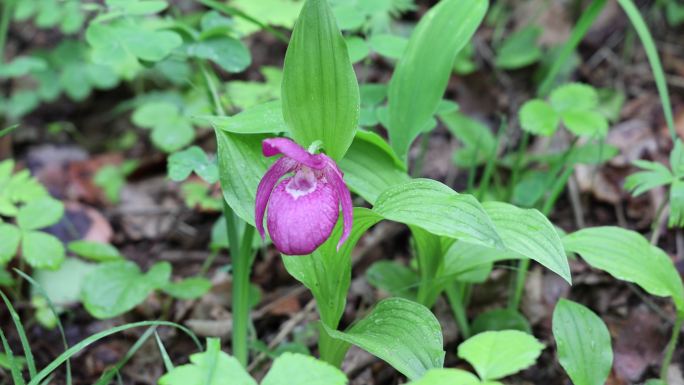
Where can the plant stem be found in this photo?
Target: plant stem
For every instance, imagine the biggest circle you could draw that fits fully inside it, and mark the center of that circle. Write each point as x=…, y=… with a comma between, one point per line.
x=515, y=174
x=655, y=226
x=456, y=295
x=240, y=269
x=4, y=26
x=556, y=190
x=671, y=347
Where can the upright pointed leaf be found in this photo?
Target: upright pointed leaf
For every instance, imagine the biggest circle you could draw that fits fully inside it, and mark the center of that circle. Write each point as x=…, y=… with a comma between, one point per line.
x=241, y=167
x=422, y=74
x=320, y=92
x=583, y=343
x=403, y=333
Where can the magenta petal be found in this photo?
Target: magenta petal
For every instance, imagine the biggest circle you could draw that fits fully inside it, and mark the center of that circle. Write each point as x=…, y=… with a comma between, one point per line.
x=290, y=149
x=334, y=177
x=281, y=167
x=298, y=225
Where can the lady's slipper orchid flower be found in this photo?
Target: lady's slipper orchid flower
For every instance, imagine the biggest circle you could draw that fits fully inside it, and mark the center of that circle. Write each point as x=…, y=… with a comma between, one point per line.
x=304, y=207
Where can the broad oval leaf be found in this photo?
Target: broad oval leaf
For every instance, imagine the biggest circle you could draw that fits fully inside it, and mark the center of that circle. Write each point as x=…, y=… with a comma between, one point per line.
x=96, y=251
x=628, y=256
x=320, y=93
x=116, y=287
x=40, y=213
x=403, y=333
x=500, y=319
x=497, y=354
x=422, y=74
x=189, y=288
x=583, y=343
x=393, y=278
x=241, y=167
x=447, y=377
x=42, y=250
x=529, y=233
x=370, y=166
x=298, y=369
x=10, y=236
x=438, y=209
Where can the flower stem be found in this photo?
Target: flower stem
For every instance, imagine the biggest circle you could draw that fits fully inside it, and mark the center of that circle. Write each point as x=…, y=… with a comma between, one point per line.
x=671, y=347
x=241, y=254
x=455, y=294
x=5, y=18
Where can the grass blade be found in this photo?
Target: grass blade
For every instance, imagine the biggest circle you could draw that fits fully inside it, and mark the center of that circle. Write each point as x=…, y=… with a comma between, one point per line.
x=112, y=372
x=8, y=130
x=22, y=336
x=165, y=355
x=653, y=59
x=576, y=36
x=16, y=372
x=53, y=309
x=98, y=336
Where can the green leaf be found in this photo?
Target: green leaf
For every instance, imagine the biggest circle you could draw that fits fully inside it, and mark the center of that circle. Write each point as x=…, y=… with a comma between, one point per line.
x=298, y=369
x=583, y=342
x=212, y=367
x=116, y=287
x=138, y=7
x=370, y=166
x=438, y=209
x=677, y=159
x=96, y=251
x=282, y=13
x=393, y=278
x=628, y=256
x=405, y=334
x=63, y=285
x=529, y=233
x=189, y=288
x=447, y=377
x=41, y=250
x=40, y=213
x=391, y=46
x=230, y=54
x=574, y=97
x=538, y=117
x=10, y=236
x=193, y=159
x=171, y=131
x=497, y=354
x=520, y=49
x=655, y=174
x=264, y=118
x=585, y=123
x=500, y=319
x=21, y=66
x=358, y=48
x=422, y=74
x=320, y=93
x=123, y=43
x=676, y=204
x=478, y=142
x=241, y=167
x=247, y=94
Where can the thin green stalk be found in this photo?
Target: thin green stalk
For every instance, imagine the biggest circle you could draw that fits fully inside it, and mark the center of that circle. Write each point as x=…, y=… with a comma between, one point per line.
x=655, y=226
x=667, y=359
x=583, y=24
x=456, y=296
x=4, y=26
x=491, y=164
x=418, y=166
x=653, y=59
x=556, y=190
x=515, y=173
